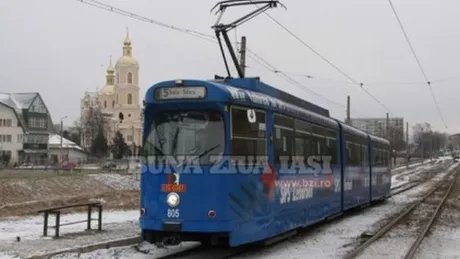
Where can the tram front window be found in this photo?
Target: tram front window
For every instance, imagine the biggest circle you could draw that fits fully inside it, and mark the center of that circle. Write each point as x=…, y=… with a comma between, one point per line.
x=187, y=135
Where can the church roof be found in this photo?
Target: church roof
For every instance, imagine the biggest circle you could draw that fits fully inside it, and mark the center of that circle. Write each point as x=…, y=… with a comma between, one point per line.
x=127, y=59
x=110, y=69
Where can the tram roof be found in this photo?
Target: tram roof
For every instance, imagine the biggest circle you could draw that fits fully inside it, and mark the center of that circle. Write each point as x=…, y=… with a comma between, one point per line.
x=254, y=84
x=379, y=140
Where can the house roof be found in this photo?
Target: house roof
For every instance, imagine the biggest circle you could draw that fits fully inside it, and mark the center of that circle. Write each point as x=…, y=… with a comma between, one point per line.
x=17, y=102
x=55, y=141
x=20, y=102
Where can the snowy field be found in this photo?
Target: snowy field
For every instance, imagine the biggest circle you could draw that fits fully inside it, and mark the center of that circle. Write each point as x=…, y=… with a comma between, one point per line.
x=117, y=181
x=332, y=240
x=415, y=173
x=116, y=225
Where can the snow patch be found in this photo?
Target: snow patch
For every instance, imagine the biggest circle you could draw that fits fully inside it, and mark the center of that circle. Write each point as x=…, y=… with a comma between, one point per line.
x=117, y=181
x=32, y=227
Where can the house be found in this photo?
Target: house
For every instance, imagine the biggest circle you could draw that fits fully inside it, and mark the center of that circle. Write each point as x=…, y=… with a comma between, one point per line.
x=25, y=127
x=70, y=151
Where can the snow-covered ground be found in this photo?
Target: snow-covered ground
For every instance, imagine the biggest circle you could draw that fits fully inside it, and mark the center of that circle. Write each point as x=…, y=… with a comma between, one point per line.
x=116, y=225
x=415, y=173
x=117, y=181
x=332, y=240
x=403, y=168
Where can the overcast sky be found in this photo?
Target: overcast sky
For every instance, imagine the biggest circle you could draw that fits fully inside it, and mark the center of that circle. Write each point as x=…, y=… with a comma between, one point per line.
x=61, y=48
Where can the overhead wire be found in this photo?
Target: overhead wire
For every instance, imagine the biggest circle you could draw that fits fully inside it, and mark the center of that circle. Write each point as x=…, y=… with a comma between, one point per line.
x=282, y=74
x=119, y=11
x=327, y=61
x=418, y=61
x=257, y=58
x=209, y=38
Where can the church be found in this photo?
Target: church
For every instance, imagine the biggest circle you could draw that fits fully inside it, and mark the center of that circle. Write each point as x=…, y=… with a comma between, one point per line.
x=118, y=100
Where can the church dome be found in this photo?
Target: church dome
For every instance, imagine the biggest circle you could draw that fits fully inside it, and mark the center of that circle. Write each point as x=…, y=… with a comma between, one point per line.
x=110, y=69
x=127, y=59
x=109, y=87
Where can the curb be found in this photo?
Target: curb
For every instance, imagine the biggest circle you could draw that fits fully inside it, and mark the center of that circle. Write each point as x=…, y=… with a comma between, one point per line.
x=90, y=248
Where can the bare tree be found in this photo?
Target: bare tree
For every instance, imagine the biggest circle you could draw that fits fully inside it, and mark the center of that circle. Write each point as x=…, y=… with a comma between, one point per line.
x=427, y=141
x=396, y=137
x=92, y=123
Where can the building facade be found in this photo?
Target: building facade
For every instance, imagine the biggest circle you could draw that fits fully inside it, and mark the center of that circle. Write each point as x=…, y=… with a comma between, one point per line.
x=26, y=125
x=377, y=126
x=118, y=100
x=11, y=134
x=69, y=151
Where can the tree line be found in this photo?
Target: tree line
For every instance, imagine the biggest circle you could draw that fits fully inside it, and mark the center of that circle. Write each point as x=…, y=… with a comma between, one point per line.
x=91, y=129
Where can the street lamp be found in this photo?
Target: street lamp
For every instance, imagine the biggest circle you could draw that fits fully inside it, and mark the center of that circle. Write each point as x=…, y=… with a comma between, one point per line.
x=132, y=143
x=62, y=131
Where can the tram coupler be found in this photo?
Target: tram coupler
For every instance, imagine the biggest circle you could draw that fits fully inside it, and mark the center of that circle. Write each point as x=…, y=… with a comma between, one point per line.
x=172, y=240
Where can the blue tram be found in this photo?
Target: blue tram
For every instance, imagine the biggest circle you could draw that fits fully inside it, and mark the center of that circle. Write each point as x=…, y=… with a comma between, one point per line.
x=236, y=161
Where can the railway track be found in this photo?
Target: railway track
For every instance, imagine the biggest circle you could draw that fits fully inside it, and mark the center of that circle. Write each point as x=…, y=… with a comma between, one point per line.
x=444, y=186
x=204, y=252
x=424, y=178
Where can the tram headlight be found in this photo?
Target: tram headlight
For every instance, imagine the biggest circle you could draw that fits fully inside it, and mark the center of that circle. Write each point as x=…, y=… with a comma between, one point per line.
x=172, y=199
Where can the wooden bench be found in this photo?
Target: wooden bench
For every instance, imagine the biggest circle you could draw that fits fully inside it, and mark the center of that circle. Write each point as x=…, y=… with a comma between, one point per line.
x=57, y=212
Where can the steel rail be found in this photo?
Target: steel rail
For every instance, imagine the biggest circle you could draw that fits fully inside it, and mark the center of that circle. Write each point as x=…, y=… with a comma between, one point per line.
x=395, y=221
x=410, y=254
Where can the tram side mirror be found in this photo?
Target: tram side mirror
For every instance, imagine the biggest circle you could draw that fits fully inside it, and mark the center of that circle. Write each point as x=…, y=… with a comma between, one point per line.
x=251, y=116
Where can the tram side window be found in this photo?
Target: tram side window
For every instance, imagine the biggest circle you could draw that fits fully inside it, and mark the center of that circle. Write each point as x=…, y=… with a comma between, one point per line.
x=351, y=154
x=374, y=156
x=331, y=143
x=302, y=139
x=248, y=139
x=358, y=154
x=354, y=151
x=382, y=157
x=387, y=158
x=318, y=143
x=355, y=154
x=284, y=139
x=365, y=155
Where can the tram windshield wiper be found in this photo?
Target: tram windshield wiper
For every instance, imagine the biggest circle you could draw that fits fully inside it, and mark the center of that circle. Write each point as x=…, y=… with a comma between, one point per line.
x=186, y=161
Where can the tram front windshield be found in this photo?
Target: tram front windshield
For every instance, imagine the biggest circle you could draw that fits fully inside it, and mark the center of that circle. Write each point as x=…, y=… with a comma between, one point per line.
x=186, y=136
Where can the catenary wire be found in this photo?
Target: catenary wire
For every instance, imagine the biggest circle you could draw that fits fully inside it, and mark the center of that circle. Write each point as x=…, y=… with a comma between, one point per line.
x=418, y=61
x=361, y=85
x=206, y=37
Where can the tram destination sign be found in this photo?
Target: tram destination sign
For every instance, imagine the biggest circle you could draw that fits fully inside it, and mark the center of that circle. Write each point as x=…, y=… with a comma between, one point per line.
x=171, y=93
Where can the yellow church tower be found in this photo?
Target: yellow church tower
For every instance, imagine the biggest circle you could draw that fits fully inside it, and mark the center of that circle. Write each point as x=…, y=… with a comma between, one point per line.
x=120, y=97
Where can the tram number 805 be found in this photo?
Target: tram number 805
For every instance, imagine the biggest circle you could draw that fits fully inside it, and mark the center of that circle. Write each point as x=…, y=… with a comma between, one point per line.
x=173, y=213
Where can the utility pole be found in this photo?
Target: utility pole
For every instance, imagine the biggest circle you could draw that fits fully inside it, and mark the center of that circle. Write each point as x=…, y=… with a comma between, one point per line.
x=407, y=144
x=348, y=120
x=431, y=146
x=243, y=55
x=422, y=138
x=62, y=131
x=60, y=146
x=387, y=134
x=387, y=126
